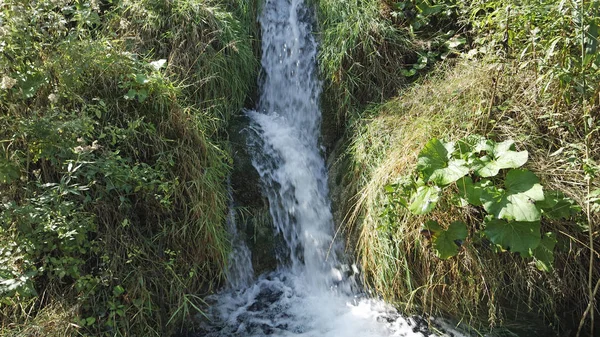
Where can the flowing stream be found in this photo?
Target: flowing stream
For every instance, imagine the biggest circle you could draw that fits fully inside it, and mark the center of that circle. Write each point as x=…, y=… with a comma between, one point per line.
x=311, y=293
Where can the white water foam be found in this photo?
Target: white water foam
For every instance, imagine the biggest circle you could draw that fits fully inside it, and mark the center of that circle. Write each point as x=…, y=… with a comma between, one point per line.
x=309, y=295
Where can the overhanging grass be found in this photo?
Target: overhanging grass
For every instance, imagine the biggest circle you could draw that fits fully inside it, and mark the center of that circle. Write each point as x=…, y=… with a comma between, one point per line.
x=361, y=55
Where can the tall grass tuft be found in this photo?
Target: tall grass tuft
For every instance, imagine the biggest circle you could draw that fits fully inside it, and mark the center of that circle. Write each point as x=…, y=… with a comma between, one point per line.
x=361, y=54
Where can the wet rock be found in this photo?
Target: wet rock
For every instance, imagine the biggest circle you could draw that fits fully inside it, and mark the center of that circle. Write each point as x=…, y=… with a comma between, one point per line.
x=253, y=216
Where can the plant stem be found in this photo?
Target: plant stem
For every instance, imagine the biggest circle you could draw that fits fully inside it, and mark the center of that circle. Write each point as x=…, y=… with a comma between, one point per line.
x=589, y=178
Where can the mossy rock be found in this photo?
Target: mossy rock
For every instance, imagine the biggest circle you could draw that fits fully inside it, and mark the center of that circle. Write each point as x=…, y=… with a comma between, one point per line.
x=253, y=216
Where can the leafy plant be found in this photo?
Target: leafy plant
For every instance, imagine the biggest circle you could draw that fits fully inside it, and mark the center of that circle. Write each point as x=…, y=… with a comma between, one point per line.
x=481, y=173
x=425, y=19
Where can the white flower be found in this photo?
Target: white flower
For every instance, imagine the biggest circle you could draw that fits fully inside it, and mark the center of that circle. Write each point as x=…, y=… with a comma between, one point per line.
x=95, y=145
x=94, y=5
x=123, y=24
x=53, y=98
x=7, y=82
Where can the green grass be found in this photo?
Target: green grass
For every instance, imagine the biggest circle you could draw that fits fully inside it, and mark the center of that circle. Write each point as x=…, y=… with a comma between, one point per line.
x=113, y=170
x=479, y=286
x=524, y=75
x=361, y=55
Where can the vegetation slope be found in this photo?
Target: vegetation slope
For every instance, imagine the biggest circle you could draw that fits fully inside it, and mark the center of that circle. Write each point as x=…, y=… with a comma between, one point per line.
x=405, y=77
x=113, y=160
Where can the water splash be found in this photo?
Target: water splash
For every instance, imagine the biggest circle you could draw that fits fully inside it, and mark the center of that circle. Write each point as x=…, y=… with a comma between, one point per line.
x=309, y=295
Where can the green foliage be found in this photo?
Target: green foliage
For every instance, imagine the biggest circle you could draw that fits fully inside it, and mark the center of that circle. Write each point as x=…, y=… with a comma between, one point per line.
x=518, y=237
x=501, y=156
x=446, y=242
x=361, y=55
x=513, y=202
x=424, y=199
x=437, y=165
x=517, y=201
x=543, y=255
x=433, y=21
x=112, y=160
x=544, y=36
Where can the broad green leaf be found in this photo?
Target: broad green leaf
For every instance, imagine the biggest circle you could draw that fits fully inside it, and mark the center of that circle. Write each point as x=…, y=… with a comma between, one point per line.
x=470, y=191
x=502, y=156
x=424, y=199
x=428, y=10
x=142, y=95
x=436, y=165
x=470, y=145
x=543, y=255
x=486, y=167
x=524, y=182
x=433, y=226
x=444, y=242
x=457, y=168
x=118, y=291
x=517, y=202
x=432, y=157
x=557, y=206
x=408, y=73
x=455, y=42
x=141, y=78
x=518, y=237
x=130, y=94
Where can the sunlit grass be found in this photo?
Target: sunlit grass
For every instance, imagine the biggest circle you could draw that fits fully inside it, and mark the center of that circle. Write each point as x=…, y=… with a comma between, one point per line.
x=480, y=286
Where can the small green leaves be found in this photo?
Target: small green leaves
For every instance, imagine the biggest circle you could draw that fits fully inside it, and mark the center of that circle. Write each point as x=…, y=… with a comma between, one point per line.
x=446, y=242
x=501, y=156
x=437, y=165
x=543, y=255
x=88, y=321
x=517, y=237
x=9, y=172
x=424, y=200
x=118, y=291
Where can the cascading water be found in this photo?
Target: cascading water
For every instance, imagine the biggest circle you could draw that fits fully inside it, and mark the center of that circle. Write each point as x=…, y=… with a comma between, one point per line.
x=307, y=295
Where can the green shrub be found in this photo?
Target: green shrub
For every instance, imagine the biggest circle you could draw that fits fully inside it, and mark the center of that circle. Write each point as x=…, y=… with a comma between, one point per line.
x=112, y=160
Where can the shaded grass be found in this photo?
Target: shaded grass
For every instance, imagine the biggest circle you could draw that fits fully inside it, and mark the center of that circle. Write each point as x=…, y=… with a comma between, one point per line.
x=361, y=54
x=478, y=286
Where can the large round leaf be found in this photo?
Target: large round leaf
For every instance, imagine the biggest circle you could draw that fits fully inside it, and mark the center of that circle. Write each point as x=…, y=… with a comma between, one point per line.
x=502, y=156
x=518, y=237
x=437, y=165
x=424, y=199
x=470, y=191
x=444, y=242
x=517, y=202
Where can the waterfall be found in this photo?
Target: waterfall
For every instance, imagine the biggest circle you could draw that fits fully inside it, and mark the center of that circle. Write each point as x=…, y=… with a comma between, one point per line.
x=308, y=295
